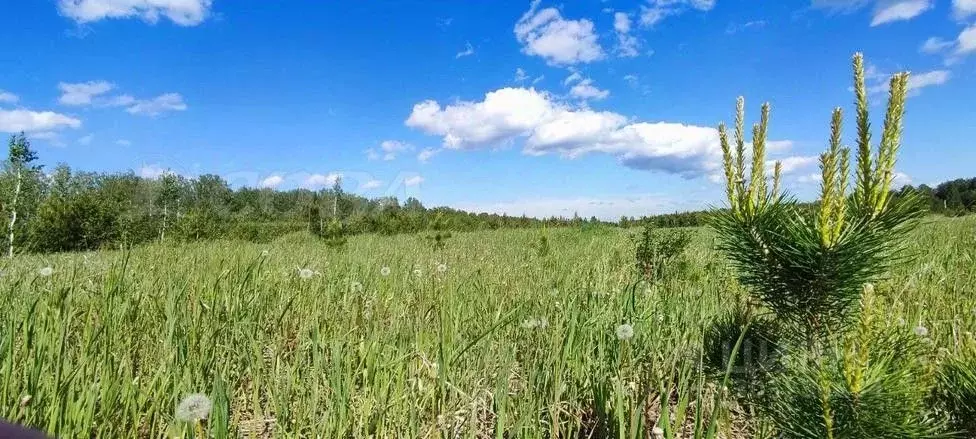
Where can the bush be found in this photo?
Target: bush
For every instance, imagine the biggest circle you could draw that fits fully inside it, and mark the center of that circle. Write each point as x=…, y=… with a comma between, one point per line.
x=82, y=221
x=657, y=249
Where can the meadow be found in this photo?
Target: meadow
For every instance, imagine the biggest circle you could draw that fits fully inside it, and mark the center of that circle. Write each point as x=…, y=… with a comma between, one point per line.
x=388, y=337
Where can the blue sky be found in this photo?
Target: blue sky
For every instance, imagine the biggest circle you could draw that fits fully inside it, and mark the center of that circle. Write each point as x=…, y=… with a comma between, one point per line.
x=545, y=108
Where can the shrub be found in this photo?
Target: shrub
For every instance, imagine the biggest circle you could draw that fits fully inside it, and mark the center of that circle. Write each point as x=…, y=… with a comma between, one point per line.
x=657, y=249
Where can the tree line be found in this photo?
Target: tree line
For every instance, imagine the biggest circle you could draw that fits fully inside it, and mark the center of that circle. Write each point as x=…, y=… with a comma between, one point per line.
x=62, y=209
x=68, y=210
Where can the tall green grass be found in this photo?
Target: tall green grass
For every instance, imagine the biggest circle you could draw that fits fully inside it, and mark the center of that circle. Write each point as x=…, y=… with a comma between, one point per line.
x=110, y=342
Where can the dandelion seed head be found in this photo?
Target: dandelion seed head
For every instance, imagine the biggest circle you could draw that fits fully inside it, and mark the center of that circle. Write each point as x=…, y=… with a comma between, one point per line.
x=441, y=268
x=194, y=407
x=418, y=272
x=625, y=332
x=901, y=321
x=385, y=271
x=535, y=323
x=46, y=271
x=921, y=331
x=265, y=253
x=869, y=289
x=305, y=273
x=356, y=287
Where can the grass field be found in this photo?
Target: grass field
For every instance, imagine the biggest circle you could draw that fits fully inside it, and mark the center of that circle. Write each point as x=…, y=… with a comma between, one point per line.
x=485, y=338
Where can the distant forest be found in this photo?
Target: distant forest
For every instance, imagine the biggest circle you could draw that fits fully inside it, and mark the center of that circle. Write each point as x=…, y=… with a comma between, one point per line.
x=66, y=210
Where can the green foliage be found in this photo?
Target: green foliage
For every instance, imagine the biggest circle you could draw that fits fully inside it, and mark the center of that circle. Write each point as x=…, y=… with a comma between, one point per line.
x=814, y=398
x=656, y=250
x=810, y=271
x=758, y=355
x=334, y=234
x=83, y=221
x=956, y=391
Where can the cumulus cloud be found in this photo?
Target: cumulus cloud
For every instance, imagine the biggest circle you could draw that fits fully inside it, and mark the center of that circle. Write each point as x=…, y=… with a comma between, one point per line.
x=320, y=180
x=545, y=33
x=888, y=12
x=15, y=121
x=966, y=42
x=181, y=12
x=962, y=9
x=7, y=97
x=550, y=127
x=628, y=46
x=94, y=93
x=271, y=181
x=586, y=90
x=86, y=140
x=916, y=81
x=656, y=11
x=371, y=184
x=424, y=155
x=388, y=150
x=83, y=93
x=935, y=45
x=154, y=171
x=883, y=11
x=413, y=180
x=158, y=105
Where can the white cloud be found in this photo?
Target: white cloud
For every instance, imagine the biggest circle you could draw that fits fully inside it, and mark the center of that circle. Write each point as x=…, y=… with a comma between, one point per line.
x=966, y=42
x=884, y=11
x=424, y=155
x=153, y=172
x=887, y=12
x=545, y=33
x=388, y=150
x=606, y=208
x=83, y=93
x=271, y=181
x=657, y=10
x=319, y=180
x=123, y=142
x=573, y=77
x=734, y=28
x=791, y=165
x=621, y=22
x=371, y=184
x=548, y=126
x=919, y=81
x=413, y=181
x=502, y=115
x=181, y=12
x=935, y=45
x=779, y=145
x=8, y=98
x=962, y=9
x=158, y=105
x=468, y=51
x=628, y=46
x=86, y=140
x=879, y=82
x=900, y=179
x=520, y=75
x=44, y=135
x=586, y=90
x=15, y=121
